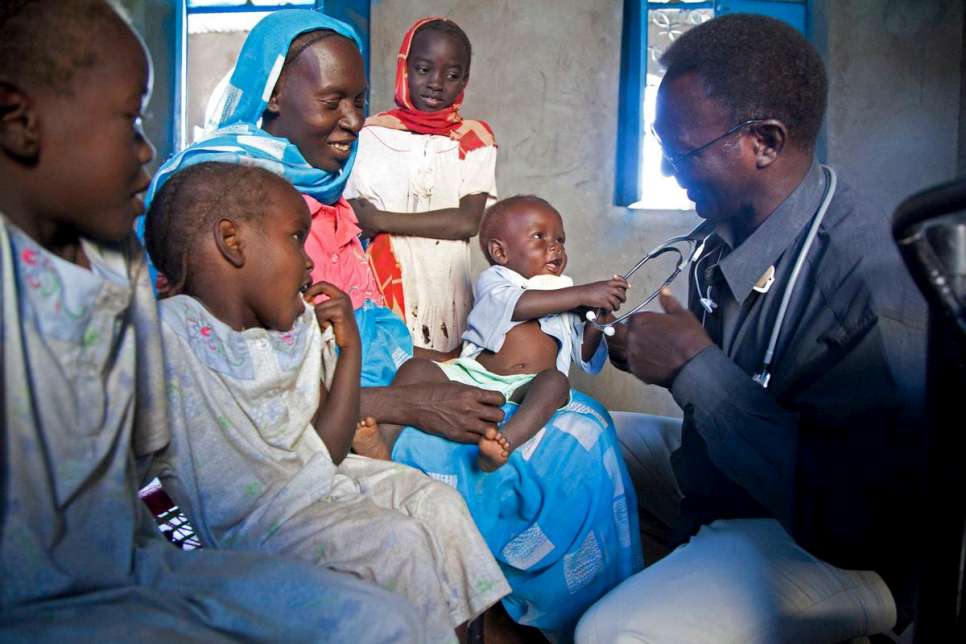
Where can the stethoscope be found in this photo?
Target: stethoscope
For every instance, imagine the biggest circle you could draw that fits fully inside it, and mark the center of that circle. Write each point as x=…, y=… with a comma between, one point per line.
x=689, y=248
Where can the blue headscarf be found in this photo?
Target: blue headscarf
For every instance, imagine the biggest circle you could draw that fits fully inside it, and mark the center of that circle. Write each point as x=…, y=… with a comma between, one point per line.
x=239, y=137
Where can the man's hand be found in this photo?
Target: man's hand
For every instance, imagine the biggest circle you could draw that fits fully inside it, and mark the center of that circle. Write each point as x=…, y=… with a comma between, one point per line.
x=452, y=410
x=617, y=346
x=657, y=345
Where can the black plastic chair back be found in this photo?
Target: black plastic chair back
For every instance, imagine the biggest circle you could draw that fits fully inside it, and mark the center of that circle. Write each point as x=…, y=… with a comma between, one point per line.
x=930, y=229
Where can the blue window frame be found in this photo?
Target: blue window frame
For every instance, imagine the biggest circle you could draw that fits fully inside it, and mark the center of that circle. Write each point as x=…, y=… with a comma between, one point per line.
x=354, y=12
x=639, y=183
x=230, y=6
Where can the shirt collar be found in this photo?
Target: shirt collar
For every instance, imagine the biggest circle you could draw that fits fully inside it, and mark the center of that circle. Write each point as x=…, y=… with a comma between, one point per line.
x=337, y=220
x=743, y=266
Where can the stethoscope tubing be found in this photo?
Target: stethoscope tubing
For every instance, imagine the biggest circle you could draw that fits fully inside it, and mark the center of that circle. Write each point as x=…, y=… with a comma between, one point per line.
x=694, y=242
x=763, y=376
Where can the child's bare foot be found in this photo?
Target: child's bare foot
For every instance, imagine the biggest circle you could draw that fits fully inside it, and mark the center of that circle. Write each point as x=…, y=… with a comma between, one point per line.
x=494, y=450
x=368, y=440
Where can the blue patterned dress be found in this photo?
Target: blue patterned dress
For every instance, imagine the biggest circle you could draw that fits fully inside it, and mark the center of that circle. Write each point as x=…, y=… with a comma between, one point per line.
x=560, y=516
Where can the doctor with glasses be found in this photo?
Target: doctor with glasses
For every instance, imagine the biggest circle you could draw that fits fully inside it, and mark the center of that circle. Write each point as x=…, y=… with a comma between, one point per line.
x=787, y=494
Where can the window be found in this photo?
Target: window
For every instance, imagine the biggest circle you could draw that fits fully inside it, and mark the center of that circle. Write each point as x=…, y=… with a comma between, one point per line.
x=210, y=34
x=650, y=26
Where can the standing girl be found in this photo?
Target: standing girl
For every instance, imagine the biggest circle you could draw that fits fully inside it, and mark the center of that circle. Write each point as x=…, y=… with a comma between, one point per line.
x=422, y=179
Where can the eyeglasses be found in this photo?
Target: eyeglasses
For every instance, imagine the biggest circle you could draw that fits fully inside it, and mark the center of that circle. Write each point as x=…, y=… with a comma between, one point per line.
x=676, y=161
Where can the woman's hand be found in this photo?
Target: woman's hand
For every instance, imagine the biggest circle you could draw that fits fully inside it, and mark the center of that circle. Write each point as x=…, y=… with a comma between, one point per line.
x=455, y=411
x=335, y=311
x=452, y=410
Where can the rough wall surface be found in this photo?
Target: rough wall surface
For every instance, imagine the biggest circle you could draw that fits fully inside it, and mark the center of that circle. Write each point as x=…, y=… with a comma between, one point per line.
x=213, y=55
x=894, y=97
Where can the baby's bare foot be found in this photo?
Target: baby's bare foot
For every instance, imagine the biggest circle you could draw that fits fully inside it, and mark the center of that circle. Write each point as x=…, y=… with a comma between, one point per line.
x=368, y=440
x=494, y=451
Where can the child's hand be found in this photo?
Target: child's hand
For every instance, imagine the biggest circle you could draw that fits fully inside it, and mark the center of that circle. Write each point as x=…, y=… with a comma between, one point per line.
x=335, y=311
x=365, y=212
x=607, y=295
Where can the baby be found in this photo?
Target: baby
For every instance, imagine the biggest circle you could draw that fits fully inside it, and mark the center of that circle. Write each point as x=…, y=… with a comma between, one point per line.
x=523, y=331
x=259, y=454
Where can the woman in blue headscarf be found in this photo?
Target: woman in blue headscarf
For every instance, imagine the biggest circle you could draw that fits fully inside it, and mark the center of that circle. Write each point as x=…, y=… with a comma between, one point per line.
x=295, y=110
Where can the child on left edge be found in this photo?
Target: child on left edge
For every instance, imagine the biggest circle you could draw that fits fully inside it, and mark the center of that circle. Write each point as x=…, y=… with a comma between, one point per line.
x=82, y=405
x=259, y=456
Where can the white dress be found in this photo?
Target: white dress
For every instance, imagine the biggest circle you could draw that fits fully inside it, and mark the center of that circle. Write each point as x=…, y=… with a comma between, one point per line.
x=83, y=395
x=250, y=472
x=399, y=171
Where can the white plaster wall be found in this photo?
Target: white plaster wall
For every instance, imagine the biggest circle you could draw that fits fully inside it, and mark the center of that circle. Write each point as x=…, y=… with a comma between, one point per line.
x=212, y=55
x=894, y=93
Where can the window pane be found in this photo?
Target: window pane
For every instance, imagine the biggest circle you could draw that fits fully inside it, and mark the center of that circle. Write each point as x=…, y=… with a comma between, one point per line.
x=212, y=3
x=256, y=3
x=663, y=27
x=214, y=40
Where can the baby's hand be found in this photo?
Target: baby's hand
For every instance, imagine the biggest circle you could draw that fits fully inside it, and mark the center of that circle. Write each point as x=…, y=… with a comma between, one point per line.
x=334, y=310
x=607, y=295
